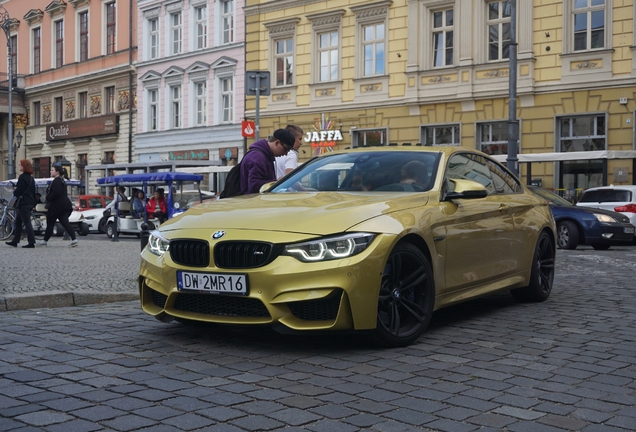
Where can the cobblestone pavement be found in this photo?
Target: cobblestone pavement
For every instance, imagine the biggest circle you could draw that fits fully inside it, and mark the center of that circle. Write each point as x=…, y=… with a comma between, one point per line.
x=98, y=270
x=568, y=364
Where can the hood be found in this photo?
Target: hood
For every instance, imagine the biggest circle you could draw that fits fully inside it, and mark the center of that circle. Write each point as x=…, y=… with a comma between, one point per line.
x=318, y=213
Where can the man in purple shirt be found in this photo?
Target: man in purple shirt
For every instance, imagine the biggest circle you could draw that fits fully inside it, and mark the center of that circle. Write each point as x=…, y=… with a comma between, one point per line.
x=257, y=166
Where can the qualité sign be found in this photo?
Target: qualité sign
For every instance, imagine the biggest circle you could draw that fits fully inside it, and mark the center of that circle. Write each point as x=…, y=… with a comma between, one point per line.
x=88, y=127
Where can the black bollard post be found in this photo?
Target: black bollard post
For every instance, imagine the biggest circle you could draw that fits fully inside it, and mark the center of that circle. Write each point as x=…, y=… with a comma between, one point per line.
x=144, y=236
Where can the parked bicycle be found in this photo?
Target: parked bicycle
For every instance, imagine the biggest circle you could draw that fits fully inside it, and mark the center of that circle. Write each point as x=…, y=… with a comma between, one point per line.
x=7, y=220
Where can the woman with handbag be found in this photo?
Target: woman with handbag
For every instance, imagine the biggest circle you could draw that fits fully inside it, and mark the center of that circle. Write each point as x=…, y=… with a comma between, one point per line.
x=25, y=194
x=58, y=206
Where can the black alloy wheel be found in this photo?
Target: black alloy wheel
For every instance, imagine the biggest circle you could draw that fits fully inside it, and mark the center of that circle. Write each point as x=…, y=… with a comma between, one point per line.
x=407, y=297
x=542, y=272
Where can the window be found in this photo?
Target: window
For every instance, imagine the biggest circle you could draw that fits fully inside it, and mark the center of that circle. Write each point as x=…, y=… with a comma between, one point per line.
x=227, y=21
x=83, y=36
x=589, y=24
x=227, y=99
x=582, y=133
x=153, y=38
x=201, y=17
x=37, y=114
x=373, y=44
x=109, y=100
x=496, y=180
x=499, y=35
x=83, y=104
x=111, y=20
x=175, y=107
x=443, y=38
x=493, y=138
x=37, y=47
x=14, y=54
x=175, y=32
x=153, y=109
x=284, y=57
x=59, y=109
x=200, y=90
x=370, y=137
x=59, y=44
x=441, y=135
x=329, y=56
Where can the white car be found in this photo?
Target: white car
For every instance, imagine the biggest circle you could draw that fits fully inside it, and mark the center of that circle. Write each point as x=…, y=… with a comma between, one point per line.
x=76, y=219
x=621, y=199
x=92, y=218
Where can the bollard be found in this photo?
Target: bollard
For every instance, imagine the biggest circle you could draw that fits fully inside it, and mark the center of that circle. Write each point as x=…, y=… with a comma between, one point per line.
x=145, y=235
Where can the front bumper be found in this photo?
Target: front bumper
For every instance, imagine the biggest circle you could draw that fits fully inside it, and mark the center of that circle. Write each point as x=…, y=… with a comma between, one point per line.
x=613, y=234
x=329, y=295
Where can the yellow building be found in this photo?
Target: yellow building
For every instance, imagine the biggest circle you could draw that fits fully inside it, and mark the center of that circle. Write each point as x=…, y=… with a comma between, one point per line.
x=429, y=72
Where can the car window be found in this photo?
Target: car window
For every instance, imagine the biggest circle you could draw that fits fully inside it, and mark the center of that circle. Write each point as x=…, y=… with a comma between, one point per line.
x=504, y=182
x=465, y=166
x=95, y=203
x=83, y=203
x=398, y=171
x=606, y=195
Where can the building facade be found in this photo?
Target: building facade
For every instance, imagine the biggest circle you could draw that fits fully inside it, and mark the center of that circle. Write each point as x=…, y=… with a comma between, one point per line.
x=77, y=59
x=191, y=80
x=433, y=72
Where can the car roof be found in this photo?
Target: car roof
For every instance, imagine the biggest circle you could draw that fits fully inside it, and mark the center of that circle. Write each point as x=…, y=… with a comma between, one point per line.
x=619, y=187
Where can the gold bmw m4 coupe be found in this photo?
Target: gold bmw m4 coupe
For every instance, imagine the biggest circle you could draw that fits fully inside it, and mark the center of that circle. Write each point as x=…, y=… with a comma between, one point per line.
x=371, y=240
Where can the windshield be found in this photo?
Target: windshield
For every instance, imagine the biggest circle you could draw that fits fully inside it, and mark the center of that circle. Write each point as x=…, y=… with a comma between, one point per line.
x=551, y=198
x=606, y=195
x=398, y=171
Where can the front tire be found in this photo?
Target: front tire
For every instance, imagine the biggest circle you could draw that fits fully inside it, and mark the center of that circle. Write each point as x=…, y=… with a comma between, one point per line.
x=6, y=230
x=567, y=235
x=406, y=298
x=101, y=225
x=542, y=273
x=84, y=229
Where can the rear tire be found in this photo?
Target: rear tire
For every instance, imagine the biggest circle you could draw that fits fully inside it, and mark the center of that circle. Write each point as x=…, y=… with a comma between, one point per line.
x=542, y=273
x=58, y=230
x=110, y=230
x=567, y=235
x=406, y=298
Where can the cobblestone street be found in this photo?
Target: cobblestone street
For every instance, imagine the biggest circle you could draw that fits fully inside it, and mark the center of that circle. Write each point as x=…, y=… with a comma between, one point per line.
x=568, y=364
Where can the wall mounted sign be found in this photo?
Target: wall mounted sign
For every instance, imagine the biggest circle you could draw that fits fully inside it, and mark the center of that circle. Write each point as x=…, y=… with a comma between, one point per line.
x=248, y=128
x=324, y=136
x=84, y=128
x=189, y=155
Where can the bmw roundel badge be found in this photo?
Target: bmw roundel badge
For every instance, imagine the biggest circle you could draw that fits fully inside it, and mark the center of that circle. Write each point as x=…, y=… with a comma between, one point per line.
x=218, y=234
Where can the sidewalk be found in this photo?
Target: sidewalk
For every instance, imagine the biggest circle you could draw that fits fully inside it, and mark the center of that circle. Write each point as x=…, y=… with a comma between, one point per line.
x=97, y=271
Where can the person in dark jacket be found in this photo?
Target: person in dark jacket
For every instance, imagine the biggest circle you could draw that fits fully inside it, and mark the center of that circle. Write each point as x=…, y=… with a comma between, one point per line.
x=257, y=166
x=59, y=206
x=25, y=189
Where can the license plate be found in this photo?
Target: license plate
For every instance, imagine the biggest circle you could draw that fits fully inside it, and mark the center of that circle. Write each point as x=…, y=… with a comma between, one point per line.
x=212, y=282
x=629, y=230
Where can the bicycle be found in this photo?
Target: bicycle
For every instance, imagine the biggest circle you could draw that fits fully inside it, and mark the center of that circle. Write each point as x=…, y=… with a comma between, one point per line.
x=7, y=220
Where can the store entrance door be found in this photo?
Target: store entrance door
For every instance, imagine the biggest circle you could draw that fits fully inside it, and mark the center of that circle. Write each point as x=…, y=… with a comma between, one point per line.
x=576, y=176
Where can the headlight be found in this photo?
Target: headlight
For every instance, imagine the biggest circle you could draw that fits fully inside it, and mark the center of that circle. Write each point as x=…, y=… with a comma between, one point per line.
x=158, y=244
x=605, y=218
x=330, y=248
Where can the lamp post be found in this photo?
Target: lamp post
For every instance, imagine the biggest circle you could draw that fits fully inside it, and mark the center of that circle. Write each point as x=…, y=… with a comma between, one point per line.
x=5, y=23
x=512, y=162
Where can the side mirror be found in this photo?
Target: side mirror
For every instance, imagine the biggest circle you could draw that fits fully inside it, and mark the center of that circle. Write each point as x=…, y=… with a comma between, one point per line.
x=266, y=187
x=464, y=189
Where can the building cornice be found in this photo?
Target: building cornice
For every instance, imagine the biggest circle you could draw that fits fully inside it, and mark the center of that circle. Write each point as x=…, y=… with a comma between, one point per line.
x=277, y=5
x=79, y=3
x=34, y=16
x=56, y=8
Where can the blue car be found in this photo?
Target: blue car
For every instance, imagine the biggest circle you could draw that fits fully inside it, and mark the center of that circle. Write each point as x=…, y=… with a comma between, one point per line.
x=581, y=225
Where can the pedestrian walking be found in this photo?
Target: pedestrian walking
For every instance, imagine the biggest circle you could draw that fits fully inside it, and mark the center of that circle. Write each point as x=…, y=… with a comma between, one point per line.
x=257, y=166
x=58, y=206
x=25, y=192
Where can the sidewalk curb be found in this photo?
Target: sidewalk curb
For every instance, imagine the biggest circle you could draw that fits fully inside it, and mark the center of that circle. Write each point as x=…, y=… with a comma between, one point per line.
x=13, y=302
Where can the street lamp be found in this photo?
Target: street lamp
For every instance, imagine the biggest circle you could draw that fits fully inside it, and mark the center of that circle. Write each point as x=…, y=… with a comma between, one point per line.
x=5, y=23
